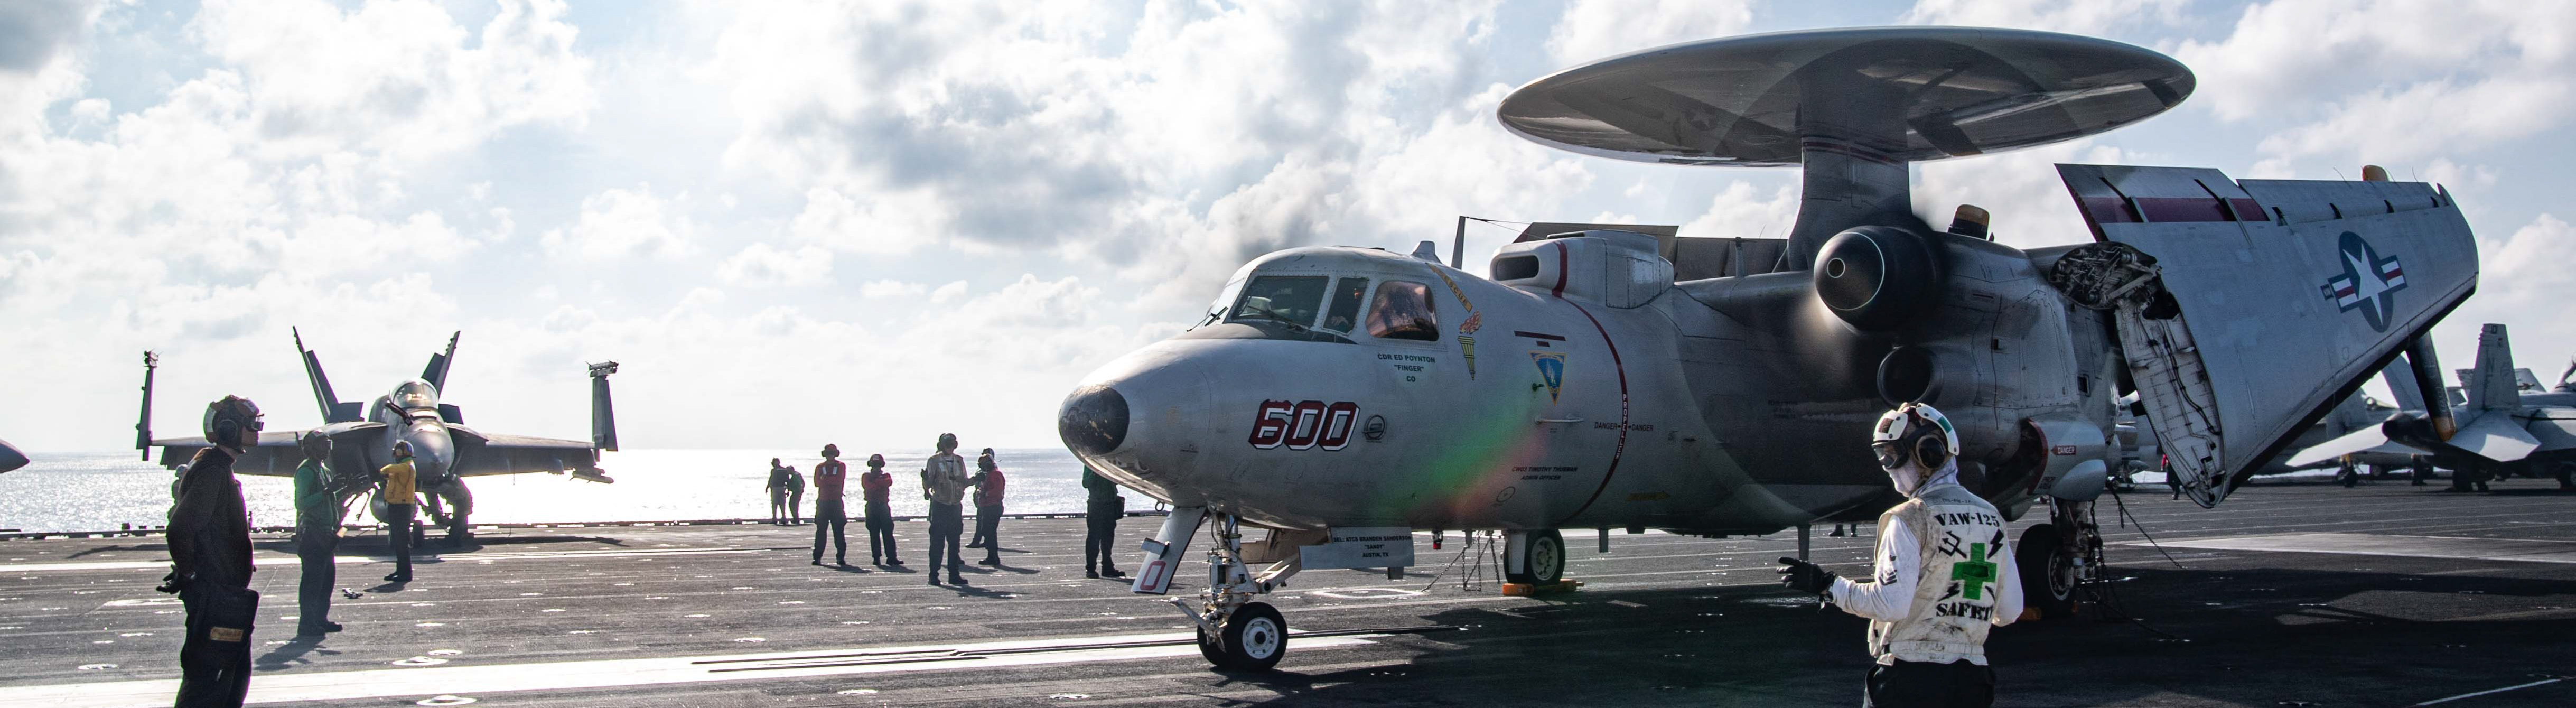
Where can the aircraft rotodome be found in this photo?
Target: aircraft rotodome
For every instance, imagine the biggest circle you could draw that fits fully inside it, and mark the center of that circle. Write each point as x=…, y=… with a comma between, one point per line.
x=445, y=450
x=1623, y=377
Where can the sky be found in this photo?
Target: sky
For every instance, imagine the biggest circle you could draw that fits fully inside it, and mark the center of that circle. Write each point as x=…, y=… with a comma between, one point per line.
x=871, y=222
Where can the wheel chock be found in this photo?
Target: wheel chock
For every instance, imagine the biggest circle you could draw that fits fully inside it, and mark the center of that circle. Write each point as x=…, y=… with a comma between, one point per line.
x=1533, y=589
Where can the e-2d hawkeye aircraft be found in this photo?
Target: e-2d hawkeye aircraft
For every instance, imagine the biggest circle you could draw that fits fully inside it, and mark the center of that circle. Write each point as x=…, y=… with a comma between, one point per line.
x=444, y=450
x=2506, y=423
x=1605, y=378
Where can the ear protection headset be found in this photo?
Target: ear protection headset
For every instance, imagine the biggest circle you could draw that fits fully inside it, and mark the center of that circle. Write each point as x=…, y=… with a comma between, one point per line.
x=1915, y=432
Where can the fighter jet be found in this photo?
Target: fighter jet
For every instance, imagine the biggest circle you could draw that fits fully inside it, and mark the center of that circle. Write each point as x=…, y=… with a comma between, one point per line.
x=2507, y=424
x=445, y=451
x=1614, y=377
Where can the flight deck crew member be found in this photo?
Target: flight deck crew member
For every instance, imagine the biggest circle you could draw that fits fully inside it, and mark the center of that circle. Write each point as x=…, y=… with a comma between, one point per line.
x=777, y=490
x=875, y=488
x=1100, y=513
x=317, y=535
x=402, y=499
x=988, y=508
x=795, y=496
x=209, y=539
x=1944, y=573
x=943, y=482
x=827, y=506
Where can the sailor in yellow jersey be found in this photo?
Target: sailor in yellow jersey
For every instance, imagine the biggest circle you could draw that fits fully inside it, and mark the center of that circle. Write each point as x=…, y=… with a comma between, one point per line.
x=402, y=498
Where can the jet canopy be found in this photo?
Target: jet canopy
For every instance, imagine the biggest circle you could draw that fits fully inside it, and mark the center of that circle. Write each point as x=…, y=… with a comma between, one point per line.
x=415, y=395
x=1327, y=294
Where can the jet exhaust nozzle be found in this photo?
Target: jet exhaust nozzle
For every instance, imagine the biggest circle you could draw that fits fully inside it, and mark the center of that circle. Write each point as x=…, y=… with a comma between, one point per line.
x=1093, y=420
x=1875, y=277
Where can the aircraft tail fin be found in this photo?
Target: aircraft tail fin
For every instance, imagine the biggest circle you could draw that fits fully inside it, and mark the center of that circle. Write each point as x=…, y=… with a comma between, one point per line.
x=2491, y=384
x=2247, y=309
x=603, y=416
x=2400, y=379
x=436, y=372
x=333, y=411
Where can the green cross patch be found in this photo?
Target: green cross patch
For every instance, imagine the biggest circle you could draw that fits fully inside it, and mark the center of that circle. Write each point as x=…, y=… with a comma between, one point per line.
x=1976, y=571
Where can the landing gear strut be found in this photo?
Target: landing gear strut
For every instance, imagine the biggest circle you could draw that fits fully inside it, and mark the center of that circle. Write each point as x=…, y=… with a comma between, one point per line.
x=2058, y=557
x=1235, y=632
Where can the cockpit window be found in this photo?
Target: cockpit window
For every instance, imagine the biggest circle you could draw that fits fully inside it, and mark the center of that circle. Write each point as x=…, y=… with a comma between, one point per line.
x=1223, y=304
x=1346, y=304
x=1403, y=311
x=1290, y=299
x=415, y=395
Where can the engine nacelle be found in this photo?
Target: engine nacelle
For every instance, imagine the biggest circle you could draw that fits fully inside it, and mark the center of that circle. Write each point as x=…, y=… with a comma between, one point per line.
x=1875, y=277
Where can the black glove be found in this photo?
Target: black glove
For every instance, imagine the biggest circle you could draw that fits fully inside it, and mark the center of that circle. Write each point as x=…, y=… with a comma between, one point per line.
x=1805, y=577
x=173, y=583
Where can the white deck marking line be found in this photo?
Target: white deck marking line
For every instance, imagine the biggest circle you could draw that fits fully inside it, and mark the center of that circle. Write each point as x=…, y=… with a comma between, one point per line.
x=164, y=564
x=2542, y=682
x=2366, y=544
x=481, y=681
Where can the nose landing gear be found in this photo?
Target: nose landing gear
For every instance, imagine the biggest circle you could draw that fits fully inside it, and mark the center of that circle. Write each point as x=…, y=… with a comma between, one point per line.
x=1235, y=632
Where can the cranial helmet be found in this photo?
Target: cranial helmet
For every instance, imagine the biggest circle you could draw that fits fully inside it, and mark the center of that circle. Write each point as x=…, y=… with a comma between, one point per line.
x=314, y=444
x=947, y=442
x=233, y=423
x=1914, y=432
x=831, y=450
x=876, y=460
x=402, y=448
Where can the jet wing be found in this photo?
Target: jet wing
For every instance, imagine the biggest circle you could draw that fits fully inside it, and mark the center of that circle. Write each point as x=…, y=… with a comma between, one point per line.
x=2553, y=426
x=487, y=454
x=276, y=456
x=2365, y=440
x=2273, y=299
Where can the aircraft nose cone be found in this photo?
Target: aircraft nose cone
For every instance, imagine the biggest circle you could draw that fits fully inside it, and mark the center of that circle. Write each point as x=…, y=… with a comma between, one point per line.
x=1093, y=420
x=10, y=457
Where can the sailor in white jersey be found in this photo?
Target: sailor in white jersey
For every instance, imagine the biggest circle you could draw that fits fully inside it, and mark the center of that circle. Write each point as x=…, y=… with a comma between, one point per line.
x=1944, y=573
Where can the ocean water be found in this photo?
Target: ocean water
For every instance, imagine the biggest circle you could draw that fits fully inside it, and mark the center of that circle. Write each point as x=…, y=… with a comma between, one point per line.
x=92, y=491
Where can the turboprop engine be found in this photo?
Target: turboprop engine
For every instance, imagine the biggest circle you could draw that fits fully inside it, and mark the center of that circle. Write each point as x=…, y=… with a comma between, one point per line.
x=1877, y=277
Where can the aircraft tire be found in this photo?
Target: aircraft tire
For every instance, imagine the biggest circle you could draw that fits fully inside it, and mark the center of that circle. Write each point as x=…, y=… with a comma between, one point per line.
x=1256, y=637
x=1546, y=556
x=2047, y=579
x=1208, y=649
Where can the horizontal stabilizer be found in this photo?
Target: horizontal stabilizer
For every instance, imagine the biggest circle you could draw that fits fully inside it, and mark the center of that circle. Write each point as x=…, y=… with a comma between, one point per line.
x=2496, y=436
x=2275, y=299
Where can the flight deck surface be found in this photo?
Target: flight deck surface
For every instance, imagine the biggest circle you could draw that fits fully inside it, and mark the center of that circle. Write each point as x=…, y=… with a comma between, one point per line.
x=2288, y=594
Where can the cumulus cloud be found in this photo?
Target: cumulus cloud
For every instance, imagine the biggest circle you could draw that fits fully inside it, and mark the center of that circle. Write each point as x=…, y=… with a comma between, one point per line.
x=2089, y=17
x=619, y=223
x=1599, y=29
x=763, y=265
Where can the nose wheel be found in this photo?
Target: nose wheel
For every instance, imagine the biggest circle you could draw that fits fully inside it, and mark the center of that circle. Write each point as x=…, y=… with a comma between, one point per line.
x=1537, y=557
x=1235, y=632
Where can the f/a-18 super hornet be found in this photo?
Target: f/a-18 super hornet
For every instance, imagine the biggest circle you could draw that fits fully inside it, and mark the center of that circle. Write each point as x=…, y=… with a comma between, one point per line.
x=444, y=450
x=1614, y=377
x=2505, y=423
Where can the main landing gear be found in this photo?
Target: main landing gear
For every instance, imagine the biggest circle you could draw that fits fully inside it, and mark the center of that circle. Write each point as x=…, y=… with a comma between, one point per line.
x=1534, y=557
x=2058, y=558
x=1234, y=631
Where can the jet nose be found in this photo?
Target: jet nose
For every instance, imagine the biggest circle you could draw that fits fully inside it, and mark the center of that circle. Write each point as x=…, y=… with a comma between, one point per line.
x=1093, y=421
x=10, y=457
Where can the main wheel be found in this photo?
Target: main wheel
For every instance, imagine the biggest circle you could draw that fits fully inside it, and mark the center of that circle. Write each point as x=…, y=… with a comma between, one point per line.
x=1255, y=638
x=1546, y=559
x=2047, y=575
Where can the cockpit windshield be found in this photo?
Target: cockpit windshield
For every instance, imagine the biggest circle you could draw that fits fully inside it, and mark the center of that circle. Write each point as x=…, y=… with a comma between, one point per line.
x=416, y=395
x=1289, y=299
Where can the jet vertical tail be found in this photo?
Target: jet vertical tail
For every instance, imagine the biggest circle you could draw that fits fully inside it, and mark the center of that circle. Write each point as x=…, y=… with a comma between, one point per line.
x=2492, y=384
x=333, y=411
x=2400, y=378
x=143, y=424
x=603, y=416
x=2246, y=309
x=436, y=372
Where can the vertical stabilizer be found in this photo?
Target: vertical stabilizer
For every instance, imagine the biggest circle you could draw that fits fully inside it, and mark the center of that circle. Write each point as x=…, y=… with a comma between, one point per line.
x=603, y=417
x=436, y=372
x=2400, y=378
x=2491, y=385
x=333, y=411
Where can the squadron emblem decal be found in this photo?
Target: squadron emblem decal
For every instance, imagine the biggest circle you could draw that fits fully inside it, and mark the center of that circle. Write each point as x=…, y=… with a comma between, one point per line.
x=1467, y=329
x=2368, y=282
x=1551, y=371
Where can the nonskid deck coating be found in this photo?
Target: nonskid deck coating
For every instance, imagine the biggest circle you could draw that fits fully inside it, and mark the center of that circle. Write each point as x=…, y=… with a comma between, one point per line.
x=1665, y=620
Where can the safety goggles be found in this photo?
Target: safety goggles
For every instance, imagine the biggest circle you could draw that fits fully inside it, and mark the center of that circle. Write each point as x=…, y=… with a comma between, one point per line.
x=1891, y=454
